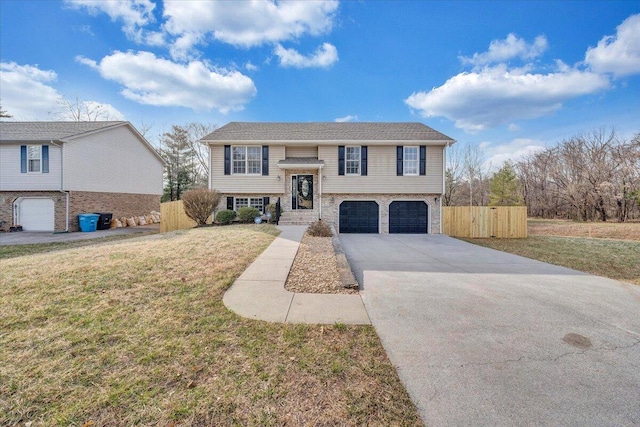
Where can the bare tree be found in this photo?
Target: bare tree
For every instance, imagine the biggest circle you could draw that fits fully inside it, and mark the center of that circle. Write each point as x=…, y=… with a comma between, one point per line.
x=475, y=169
x=4, y=114
x=79, y=110
x=593, y=175
x=453, y=176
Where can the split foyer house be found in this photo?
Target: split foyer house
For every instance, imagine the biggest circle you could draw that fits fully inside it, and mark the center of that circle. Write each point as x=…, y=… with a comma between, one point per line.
x=52, y=171
x=360, y=177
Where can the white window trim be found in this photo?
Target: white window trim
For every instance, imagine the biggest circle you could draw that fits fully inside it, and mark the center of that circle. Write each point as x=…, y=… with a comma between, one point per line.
x=246, y=160
x=404, y=160
x=39, y=158
x=346, y=162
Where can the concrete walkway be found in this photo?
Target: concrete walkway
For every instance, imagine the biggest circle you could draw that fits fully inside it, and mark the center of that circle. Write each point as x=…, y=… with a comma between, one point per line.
x=33, y=237
x=259, y=292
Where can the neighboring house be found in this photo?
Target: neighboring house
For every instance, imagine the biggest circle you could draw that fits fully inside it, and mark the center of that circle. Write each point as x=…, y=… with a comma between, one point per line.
x=52, y=171
x=360, y=177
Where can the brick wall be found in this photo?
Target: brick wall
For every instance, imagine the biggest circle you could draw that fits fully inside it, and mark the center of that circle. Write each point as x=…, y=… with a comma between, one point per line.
x=119, y=204
x=7, y=198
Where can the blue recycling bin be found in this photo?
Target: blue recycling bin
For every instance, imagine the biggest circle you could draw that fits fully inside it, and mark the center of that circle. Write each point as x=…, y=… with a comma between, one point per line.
x=88, y=222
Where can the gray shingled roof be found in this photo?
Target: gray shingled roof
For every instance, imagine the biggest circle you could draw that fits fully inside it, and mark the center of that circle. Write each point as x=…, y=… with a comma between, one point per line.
x=49, y=131
x=327, y=131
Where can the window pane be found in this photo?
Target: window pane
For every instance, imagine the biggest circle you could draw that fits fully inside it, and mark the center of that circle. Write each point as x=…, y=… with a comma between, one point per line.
x=352, y=160
x=254, y=153
x=34, y=165
x=241, y=202
x=256, y=203
x=239, y=160
x=410, y=164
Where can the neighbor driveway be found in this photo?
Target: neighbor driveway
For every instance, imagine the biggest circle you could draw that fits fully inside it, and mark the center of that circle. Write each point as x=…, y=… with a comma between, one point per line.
x=481, y=337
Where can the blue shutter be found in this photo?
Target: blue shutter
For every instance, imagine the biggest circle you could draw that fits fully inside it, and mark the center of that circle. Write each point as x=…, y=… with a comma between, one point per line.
x=265, y=160
x=341, y=160
x=45, y=159
x=227, y=160
x=363, y=160
x=423, y=160
x=399, y=155
x=230, y=203
x=23, y=159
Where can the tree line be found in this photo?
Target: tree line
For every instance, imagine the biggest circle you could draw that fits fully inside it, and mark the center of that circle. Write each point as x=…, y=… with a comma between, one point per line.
x=592, y=176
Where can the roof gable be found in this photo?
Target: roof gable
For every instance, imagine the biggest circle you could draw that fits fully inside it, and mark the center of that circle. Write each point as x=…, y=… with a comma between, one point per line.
x=326, y=131
x=51, y=131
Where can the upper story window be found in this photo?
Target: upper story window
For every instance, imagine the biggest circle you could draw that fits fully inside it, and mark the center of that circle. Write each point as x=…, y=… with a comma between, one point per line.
x=247, y=160
x=34, y=158
x=410, y=161
x=352, y=160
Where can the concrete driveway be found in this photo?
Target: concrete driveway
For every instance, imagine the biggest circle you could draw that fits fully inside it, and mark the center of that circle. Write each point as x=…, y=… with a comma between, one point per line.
x=481, y=337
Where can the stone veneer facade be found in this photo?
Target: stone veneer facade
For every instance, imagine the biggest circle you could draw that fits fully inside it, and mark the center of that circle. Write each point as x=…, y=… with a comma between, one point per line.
x=331, y=207
x=120, y=204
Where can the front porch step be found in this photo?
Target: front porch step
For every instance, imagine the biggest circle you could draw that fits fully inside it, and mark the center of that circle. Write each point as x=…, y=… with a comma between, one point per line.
x=298, y=218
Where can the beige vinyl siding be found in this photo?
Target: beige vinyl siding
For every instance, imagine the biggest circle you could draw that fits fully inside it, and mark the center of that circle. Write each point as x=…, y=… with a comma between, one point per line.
x=308, y=151
x=247, y=184
x=11, y=179
x=113, y=161
x=381, y=173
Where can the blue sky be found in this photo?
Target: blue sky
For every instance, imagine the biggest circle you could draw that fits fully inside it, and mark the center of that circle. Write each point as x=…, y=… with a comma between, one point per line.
x=511, y=77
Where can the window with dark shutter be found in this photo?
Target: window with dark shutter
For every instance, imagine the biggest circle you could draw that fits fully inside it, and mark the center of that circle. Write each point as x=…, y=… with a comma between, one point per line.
x=400, y=160
x=265, y=202
x=229, y=203
x=23, y=159
x=227, y=160
x=341, y=160
x=363, y=160
x=265, y=160
x=45, y=159
x=423, y=160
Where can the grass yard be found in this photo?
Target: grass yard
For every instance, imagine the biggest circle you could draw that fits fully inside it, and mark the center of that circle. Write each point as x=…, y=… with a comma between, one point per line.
x=134, y=332
x=608, y=256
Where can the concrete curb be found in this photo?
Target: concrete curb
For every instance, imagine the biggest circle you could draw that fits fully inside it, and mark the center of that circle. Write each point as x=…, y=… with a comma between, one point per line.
x=259, y=292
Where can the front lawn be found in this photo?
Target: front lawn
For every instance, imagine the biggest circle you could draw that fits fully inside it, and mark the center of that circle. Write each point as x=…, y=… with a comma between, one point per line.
x=616, y=259
x=134, y=332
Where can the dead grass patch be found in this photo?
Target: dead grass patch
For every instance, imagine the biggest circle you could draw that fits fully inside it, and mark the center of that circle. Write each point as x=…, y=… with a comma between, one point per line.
x=134, y=332
x=616, y=259
x=598, y=230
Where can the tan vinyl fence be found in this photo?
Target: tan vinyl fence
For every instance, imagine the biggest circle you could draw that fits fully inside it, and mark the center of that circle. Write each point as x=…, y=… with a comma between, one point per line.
x=172, y=217
x=502, y=222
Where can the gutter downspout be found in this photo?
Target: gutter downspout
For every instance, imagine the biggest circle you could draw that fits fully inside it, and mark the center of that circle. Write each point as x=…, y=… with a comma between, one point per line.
x=66, y=193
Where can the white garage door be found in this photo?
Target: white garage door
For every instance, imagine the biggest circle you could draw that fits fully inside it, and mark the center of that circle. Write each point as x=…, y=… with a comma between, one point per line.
x=36, y=214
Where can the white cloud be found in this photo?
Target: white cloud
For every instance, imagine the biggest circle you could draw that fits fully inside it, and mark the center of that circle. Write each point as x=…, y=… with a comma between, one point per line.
x=511, y=47
x=150, y=80
x=134, y=14
x=348, y=118
x=495, y=96
x=324, y=57
x=244, y=23
x=250, y=66
x=619, y=54
x=514, y=150
x=25, y=91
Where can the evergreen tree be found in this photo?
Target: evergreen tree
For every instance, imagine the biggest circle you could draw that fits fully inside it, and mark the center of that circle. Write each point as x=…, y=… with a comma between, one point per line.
x=503, y=187
x=180, y=171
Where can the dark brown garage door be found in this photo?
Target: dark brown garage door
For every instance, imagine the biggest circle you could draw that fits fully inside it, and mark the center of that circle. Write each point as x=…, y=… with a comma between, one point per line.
x=408, y=217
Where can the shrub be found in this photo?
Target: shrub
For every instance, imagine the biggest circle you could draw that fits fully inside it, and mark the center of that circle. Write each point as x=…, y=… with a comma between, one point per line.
x=225, y=217
x=271, y=208
x=247, y=214
x=319, y=229
x=199, y=204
